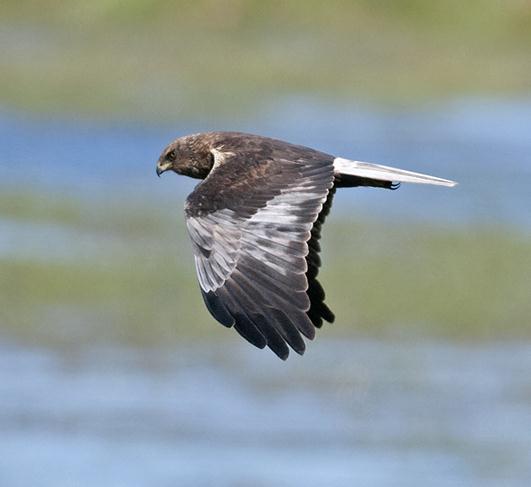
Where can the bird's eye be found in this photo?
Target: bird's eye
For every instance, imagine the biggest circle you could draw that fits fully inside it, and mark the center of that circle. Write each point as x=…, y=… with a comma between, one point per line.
x=171, y=155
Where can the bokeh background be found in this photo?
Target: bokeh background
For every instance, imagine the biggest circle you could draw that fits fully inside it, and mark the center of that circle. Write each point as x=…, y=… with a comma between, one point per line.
x=112, y=372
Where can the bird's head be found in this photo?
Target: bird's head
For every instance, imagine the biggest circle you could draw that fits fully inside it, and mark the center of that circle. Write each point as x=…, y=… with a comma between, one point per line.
x=188, y=156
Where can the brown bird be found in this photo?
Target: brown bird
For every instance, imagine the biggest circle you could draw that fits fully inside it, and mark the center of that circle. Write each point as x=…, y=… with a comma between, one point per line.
x=255, y=222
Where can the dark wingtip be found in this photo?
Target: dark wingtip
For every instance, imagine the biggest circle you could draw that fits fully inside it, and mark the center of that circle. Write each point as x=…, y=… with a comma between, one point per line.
x=217, y=308
x=275, y=342
x=248, y=330
x=283, y=355
x=327, y=313
x=301, y=351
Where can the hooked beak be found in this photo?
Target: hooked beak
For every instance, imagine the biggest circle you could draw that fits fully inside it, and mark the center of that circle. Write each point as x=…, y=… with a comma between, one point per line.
x=162, y=167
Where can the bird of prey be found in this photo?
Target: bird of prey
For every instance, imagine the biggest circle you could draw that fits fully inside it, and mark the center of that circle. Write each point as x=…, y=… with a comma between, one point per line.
x=255, y=222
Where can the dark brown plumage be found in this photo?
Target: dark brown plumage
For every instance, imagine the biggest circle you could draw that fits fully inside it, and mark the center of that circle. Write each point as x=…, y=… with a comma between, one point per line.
x=255, y=222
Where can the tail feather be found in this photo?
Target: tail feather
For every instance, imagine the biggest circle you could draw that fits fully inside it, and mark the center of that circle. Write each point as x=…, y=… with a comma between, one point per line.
x=386, y=173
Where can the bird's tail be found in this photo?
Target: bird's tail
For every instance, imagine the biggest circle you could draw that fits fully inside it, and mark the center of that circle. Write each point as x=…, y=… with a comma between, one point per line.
x=367, y=170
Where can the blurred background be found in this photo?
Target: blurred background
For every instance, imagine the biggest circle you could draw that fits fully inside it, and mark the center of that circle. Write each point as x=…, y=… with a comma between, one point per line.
x=112, y=373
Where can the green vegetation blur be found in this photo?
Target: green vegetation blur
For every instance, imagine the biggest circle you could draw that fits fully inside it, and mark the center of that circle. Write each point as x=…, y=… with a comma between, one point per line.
x=381, y=279
x=166, y=59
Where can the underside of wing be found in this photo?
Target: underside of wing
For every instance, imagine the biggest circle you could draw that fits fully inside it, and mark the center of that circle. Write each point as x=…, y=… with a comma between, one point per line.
x=257, y=268
x=318, y=311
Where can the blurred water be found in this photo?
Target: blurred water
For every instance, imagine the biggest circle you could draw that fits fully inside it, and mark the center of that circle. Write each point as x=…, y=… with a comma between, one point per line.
x=483, y=144
x=348, y=413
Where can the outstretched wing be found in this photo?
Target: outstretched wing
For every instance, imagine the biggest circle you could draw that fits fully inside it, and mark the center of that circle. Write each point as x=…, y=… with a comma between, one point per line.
x=251, y=223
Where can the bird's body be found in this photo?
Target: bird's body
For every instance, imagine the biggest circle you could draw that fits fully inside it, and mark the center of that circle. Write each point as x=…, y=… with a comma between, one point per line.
x=255, y=222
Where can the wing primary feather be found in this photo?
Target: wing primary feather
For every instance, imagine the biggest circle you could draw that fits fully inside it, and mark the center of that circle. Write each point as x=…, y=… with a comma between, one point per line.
x=248, y=330
x=272, y=318
x=295, y=298
x=327, y=313
x=314, y=315
x=217, y=308
x=257, y=293
x=274, y=341
x=288, y=331
x=244, y=324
